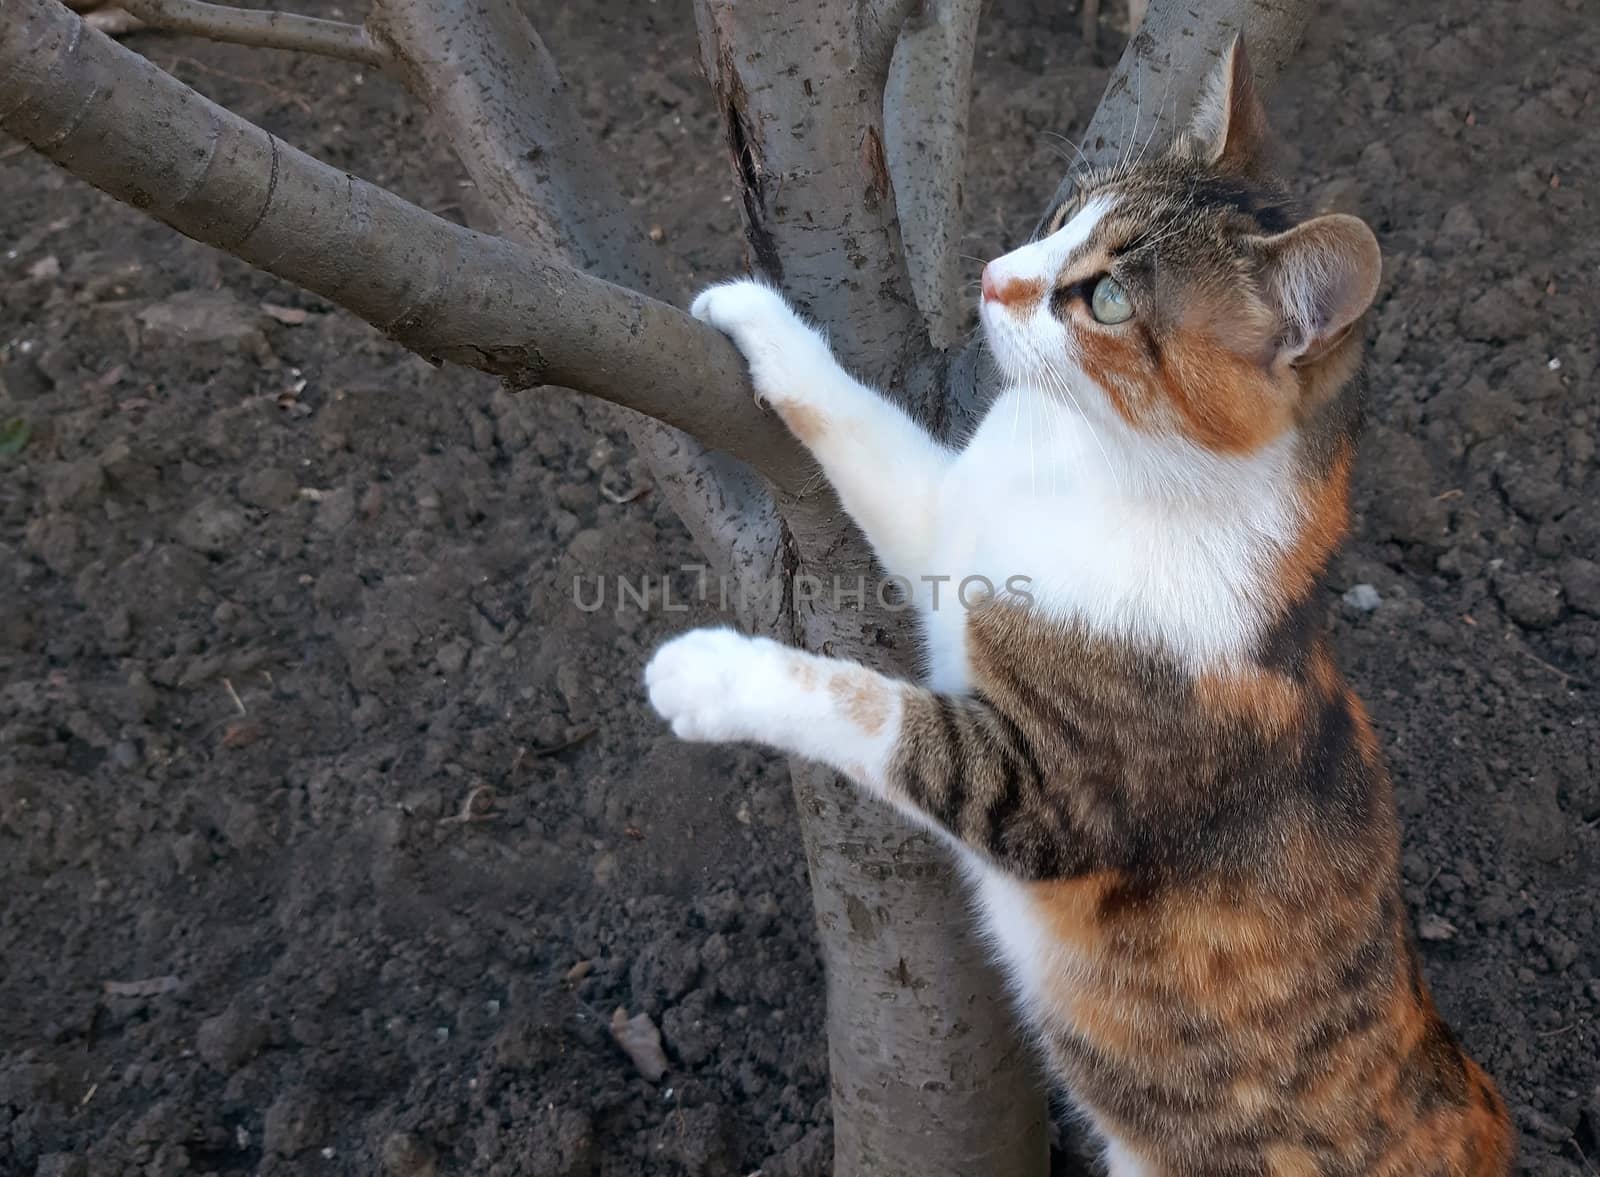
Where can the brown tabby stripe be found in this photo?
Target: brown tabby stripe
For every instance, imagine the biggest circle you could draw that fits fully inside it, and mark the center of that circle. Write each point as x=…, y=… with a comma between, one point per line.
x=1217, y=856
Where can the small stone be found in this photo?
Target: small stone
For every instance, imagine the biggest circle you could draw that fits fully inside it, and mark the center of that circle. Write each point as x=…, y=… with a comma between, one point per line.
x=294, y=1123
x=210, y=526
x=404, y=1155
x=270, y=489
x=1435, y=927
x=452, y=657
x=641, y=1042
x=48, y=266
x=74, y=484
x=336, y=510
x=1580, y=580
x=1363, y=598
x=230, y=1039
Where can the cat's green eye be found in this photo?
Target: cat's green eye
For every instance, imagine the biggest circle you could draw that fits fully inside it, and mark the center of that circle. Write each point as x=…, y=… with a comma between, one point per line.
x=1110, y=302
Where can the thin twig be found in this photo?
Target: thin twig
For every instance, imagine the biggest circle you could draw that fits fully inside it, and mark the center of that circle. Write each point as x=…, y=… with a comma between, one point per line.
x=267, y=30
x=572, y=741
x=1567, y=680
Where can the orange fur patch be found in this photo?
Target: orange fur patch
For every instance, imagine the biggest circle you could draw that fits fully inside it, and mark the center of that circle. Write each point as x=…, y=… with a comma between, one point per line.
x=1072, y=907
x=1326, y=519
x=805, y=422
x=1224, y=401
x=1265, y=699
x=1114, y=361
x=863, y=696
x=1366, y=738
x=803, y=673
x=1288, y=1160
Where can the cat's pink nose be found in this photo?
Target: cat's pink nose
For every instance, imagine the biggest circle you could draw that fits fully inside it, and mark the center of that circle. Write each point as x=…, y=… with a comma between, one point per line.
x=1020, y=294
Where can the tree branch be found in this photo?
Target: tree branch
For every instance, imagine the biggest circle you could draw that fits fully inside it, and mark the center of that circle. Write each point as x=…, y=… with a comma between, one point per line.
x=112, y=118
x=925, y=107
x=486, y=76
x=266, y=30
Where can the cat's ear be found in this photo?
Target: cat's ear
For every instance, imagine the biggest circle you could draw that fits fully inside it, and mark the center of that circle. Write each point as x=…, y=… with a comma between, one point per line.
x=1230, y=124
x=1321, y=277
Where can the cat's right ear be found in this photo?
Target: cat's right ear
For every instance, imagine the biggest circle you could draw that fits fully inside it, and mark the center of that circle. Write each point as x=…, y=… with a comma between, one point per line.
x=1230, y=123
x=1321, y=277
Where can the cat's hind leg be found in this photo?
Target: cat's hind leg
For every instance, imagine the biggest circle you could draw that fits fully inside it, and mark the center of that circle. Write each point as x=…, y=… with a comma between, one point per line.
x=884, y=466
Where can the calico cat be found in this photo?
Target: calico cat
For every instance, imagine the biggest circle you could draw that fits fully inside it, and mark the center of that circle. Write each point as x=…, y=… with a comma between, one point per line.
x=1171, y=805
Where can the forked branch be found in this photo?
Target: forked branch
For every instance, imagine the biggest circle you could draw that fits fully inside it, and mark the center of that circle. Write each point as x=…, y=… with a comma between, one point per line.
x=925, y=107
x=112, y=118
x=484, y=74
x=1171, y=54
x=266, y=30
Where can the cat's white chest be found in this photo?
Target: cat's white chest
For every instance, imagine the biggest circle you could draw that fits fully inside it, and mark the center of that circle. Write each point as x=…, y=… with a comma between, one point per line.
x=1050, y=516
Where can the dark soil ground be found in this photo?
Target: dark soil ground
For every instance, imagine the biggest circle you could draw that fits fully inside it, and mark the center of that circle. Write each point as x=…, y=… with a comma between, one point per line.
x=279, y=597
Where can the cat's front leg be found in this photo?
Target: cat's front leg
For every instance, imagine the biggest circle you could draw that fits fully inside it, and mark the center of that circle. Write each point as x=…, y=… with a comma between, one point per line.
x=885, y=468
x=719, y=685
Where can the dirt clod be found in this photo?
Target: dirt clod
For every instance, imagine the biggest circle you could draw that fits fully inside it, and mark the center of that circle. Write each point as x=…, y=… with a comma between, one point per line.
x=230, y=1039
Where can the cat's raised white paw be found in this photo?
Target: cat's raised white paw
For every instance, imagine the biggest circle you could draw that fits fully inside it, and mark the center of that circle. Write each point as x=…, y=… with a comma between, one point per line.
x=785, y=353
x=716, y=684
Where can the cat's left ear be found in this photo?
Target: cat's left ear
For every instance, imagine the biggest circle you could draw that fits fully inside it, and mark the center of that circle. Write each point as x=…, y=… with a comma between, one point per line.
x=1321, y=277
x=1230, y=124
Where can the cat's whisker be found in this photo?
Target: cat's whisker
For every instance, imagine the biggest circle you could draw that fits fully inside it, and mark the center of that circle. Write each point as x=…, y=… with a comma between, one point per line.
x=1082, y=158
x=1060, y=383
x=1033, y=465
x=1155, y=125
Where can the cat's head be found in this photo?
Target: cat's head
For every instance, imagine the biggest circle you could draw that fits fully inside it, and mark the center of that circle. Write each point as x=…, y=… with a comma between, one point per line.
x=1178, y=296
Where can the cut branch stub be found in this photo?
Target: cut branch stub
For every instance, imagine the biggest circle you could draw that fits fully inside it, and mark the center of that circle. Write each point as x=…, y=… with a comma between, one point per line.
x=448, y=293
x=1166, y=64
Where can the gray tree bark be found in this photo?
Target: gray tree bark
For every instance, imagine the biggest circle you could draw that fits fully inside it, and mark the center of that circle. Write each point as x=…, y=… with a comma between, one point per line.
x=845, y=126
